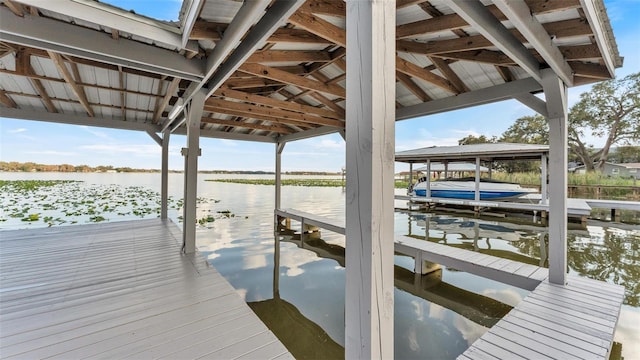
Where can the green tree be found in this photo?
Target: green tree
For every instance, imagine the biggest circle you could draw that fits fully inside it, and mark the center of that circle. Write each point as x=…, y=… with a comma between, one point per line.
x=610, y=110
x=527, y=130
x=625, y=154
x=472, y=139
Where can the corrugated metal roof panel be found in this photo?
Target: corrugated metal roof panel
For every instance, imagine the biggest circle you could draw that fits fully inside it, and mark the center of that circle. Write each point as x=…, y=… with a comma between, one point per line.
x=463, y=152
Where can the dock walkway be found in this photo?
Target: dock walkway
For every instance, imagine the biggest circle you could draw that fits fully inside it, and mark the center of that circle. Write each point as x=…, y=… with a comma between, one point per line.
x=120, y=290
x=574, y=321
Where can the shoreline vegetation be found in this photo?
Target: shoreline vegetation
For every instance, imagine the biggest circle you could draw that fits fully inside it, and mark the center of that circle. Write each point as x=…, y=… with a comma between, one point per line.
x=13, y=166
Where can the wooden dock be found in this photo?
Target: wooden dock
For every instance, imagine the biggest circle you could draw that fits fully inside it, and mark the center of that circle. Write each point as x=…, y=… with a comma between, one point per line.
x=120, y=290
x=574, y=321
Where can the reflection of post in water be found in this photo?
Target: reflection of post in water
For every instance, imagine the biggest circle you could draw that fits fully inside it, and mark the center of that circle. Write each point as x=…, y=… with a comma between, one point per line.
x=425, y=282
x=302, y=337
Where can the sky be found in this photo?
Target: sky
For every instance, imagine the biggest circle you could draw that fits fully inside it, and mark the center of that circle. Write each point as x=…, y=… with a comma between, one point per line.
x=48, y=143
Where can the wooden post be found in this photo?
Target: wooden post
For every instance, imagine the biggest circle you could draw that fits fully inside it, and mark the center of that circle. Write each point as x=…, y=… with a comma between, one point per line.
x=164, y=176
x=446, y=170
x=191, y=153
x=279, y=149
x=410, y=175
x=544, y=192
x=477, y=191
x=556, y=97
x=428, y=178
x=370, y=148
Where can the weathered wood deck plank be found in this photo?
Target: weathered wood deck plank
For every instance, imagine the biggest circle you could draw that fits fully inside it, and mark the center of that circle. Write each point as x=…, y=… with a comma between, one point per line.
x=118, y=290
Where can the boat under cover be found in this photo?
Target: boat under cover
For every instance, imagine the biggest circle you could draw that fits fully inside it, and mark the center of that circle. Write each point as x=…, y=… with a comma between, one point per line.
x=464, y=188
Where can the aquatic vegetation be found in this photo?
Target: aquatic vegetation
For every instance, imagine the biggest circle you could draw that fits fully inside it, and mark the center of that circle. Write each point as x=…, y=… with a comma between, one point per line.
x=49, y=203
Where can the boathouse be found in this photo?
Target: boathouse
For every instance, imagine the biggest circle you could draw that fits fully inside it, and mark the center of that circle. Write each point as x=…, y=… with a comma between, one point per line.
x=280, y=71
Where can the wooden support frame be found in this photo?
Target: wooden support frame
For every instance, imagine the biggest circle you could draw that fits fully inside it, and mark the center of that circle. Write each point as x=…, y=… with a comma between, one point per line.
x=556, y=95
x=191, y=154
x=370, y=160
x=164, y=176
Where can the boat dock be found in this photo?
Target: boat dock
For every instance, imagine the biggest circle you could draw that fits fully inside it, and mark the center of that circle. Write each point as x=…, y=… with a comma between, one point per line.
x=120, y=290
x=573, y=321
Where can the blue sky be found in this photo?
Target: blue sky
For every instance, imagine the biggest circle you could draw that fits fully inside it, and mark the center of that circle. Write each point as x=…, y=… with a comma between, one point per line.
x=57, y=144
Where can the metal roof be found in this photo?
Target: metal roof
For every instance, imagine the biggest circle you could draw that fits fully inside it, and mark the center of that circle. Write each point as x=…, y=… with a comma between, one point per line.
x=275, y=71
x=502, y=151
x=453, y=167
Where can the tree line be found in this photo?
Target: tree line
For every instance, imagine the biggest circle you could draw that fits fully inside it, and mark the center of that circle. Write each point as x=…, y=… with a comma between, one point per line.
x=611, y=110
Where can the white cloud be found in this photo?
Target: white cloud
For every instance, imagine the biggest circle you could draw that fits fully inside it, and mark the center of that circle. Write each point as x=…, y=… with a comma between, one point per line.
x=329, y=144
x=227, y=142
x=17, y=131
x=96, y=133
x=120, y=149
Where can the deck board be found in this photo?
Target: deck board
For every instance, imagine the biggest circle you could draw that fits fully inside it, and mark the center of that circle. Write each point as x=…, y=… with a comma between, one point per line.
x=118, y=290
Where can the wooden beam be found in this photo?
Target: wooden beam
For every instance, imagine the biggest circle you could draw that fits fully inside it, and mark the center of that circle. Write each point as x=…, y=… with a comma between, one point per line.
x=327, y=7
x=77, y=90
x=416, y=71
x=581, y=52
x=298, y=56
x=286, y=35
x=257, y=116
x=123, y=97
x=205, y=30
x=546, y=6
x=320, y=27
x=453, y=78
x=590, y=70
x=247, y=125
x=162, y=104
x=505, y=73
x=328, y=103
x=6, y=100
x=250, y=83
x=291, y=79
x=412, y=86
x=406, y=3
x=481, y=55
x=15, y=8
x=273, y=112
x=286, y=105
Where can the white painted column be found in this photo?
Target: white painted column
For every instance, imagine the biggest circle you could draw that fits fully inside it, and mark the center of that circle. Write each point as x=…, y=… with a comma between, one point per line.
x=556, y=97
x=370, y=148
x=446, y=170
x=191, y=153
x=544, y=194
x=164, y=176
x=428, y=194
x=410, y=175
x=477, y=192
x=279, y=149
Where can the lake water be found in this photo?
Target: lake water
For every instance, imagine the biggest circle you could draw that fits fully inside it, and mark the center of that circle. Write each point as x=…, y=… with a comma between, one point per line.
x=303, y=300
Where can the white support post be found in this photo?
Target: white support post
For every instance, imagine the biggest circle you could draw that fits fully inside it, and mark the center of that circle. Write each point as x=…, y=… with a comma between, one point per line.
x=164, y=176
x=279, y=149
x=191, y=152
x=410, y=175
x=544, y=192
x=428, y=194
x=446, y=170
x=556, y=96
x=477, y=191
x=370, y=149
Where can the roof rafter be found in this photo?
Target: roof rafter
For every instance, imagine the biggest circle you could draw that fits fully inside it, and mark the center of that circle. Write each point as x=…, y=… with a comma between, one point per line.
x=68, y=77
x=286, y=105
x=520, y=16
x=300, y=56
x=272, y=112
x=162, y=104
x=277, y=128
x=291, y=79
x=23, y=65
x=475, y=13
x=6, y=100
x=319, y=27
x=52, y=35
x=416, y=71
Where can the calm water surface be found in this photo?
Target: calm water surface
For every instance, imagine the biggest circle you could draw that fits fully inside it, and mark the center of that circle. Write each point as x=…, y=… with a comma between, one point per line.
x=436, y=317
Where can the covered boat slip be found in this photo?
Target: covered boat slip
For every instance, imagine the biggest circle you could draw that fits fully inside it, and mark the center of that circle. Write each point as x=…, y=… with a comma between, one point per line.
x=576, y=320
x=120, y=290
x=277, y=71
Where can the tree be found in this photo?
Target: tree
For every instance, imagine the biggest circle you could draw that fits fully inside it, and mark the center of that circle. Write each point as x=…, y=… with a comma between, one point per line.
x=625, y=154
x=528, y=130
x=471, y=139
x=611, y=110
